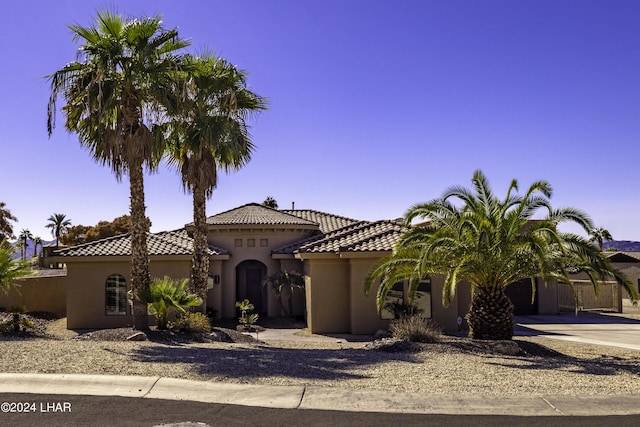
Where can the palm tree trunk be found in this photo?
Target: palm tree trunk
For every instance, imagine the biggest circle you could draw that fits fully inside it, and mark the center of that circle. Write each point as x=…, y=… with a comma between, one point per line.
x=139, y=252
x=200, y=260
x=290, y=302
x=491, y=315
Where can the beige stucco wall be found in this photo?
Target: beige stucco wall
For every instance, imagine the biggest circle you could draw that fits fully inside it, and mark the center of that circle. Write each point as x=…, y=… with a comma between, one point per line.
x=447, y=317
x=364, y=317
x=86, y=288
x=337, y=304
x=38, y=294
x=327, y=294
x=275, y=238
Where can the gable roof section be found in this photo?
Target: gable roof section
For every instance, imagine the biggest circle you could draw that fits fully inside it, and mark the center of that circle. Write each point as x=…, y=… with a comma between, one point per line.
x=165, y=243
x=327, y=222
x=256, y=214
x=363, y=236
x=626, y=257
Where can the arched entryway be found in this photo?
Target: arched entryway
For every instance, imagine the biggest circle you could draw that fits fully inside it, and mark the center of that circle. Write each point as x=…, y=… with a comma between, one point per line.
x=249, y=277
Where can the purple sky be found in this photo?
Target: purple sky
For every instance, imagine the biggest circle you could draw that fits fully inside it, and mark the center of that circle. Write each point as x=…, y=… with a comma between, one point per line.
x=373, y=106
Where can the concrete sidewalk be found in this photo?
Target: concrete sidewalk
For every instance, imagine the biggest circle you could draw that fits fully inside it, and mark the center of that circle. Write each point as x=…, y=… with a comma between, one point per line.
x=311, y=397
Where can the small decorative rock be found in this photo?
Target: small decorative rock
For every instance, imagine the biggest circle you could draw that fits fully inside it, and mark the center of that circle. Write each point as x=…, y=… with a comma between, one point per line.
x=138, y=336
x=216, y=336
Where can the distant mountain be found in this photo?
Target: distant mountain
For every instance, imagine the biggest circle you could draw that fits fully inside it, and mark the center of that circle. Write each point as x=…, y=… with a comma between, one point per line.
x=16, y=254
x=622, y=245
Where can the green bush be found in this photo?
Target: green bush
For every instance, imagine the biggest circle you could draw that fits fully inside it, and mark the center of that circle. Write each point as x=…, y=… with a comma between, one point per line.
x=16, y=321
x=415, y=329
x=165, y=296
x=191, y=322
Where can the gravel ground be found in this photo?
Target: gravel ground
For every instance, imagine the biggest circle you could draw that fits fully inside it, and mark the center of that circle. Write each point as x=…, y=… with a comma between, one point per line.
x=456, y=365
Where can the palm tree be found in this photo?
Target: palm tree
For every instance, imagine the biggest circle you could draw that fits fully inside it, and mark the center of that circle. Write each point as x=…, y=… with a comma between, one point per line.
x=285, y=283
x=6, y=229
x=59, y=225
x=600, y=235
x=165, y=296
x=210, y=133
x=9, y=268
x=37, y=241
x=492, y=243
x=270, y=202
x=23, y=242
x=114, y=93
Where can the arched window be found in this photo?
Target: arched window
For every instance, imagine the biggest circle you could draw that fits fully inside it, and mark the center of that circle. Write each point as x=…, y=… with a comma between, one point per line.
x=116, y=295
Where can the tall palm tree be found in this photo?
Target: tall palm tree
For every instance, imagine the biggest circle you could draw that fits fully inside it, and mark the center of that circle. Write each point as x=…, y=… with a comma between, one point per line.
x=59, y=225
x=210, y=133
x=492, y=243
x=23, y=242
x=114, y=93
x=6, y=229
x=600, y=235
x=37, y=241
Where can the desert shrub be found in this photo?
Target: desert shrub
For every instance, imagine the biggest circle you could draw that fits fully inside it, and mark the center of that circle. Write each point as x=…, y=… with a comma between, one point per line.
x=246, y=320
x=165, y=296
x=415, y=329
x=191, y=322
x=17, y=322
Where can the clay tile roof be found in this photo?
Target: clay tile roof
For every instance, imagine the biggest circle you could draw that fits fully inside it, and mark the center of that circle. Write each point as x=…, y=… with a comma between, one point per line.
x=328, y=222
x=159, y=244
x=256, y=214
x=622, y=256
x=363, y=236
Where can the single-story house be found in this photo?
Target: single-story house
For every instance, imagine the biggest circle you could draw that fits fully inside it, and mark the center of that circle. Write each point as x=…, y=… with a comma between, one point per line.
x=251, y=242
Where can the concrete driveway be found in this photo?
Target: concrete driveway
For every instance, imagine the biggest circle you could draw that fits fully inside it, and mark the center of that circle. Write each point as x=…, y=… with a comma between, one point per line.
x=610, y=329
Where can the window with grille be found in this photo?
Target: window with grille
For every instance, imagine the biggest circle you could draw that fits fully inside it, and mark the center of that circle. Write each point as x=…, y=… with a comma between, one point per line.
x=116, y=295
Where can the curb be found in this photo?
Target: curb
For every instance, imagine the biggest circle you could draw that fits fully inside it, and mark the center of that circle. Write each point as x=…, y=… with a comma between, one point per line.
x=314, y=397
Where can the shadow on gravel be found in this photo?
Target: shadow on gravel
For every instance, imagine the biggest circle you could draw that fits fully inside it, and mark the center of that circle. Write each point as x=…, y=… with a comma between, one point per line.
x=264, y=361
x=539, y=357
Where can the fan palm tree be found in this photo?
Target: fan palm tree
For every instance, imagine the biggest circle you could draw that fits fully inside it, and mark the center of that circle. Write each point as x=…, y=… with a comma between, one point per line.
x=6, y=229
x=600, y=235
x=492, y=243
x=285, y=283
x=59, y=225
x=37, y=241
x=114, y=93
x=11, y=269
x=210, y=133
x=165, y=296
x=23, y=242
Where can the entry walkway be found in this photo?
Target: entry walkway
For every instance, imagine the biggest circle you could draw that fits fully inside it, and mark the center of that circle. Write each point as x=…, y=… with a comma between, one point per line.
x=587, y=327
